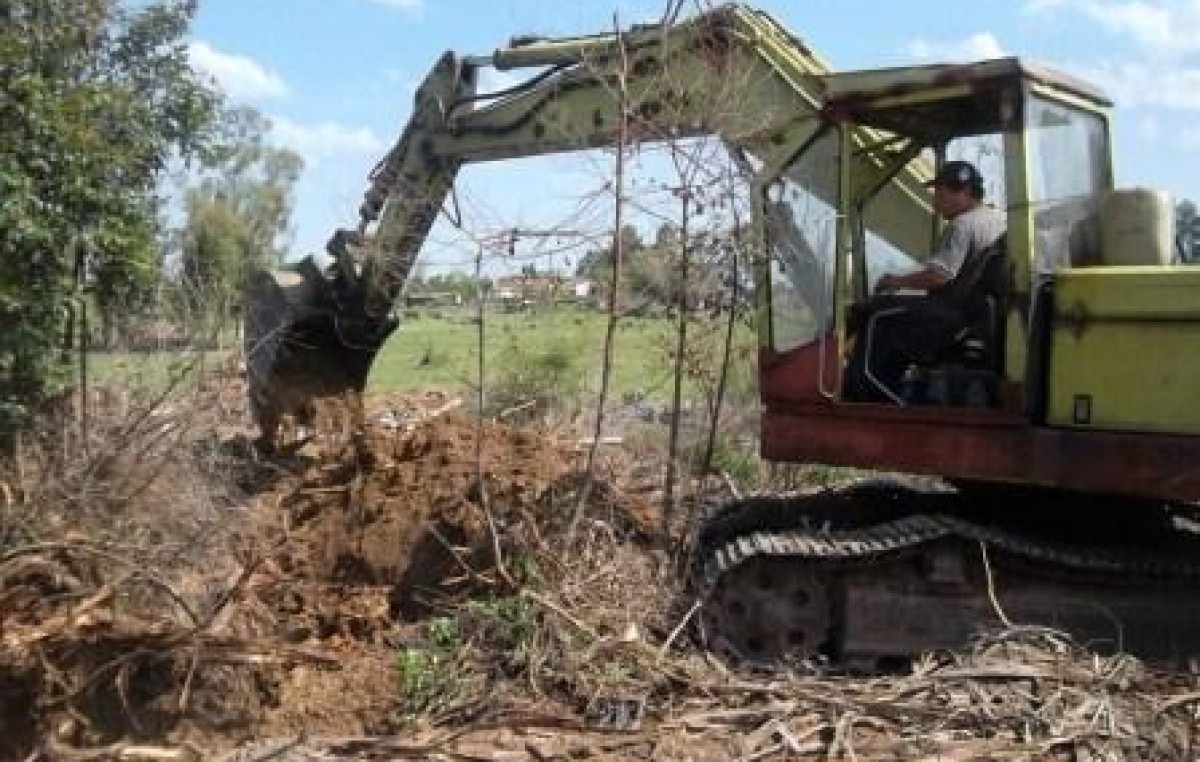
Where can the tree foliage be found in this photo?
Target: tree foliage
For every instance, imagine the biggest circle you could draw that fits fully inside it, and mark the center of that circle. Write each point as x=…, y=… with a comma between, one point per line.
x=652, y=270
x=239, y=212
x=95, y=99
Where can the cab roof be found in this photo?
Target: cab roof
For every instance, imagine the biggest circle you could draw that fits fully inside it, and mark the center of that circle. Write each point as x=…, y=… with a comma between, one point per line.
x=952, y=98
x=873, y=83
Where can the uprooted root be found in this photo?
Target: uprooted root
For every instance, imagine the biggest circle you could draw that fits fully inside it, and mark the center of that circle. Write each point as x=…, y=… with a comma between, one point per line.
x=118, y=554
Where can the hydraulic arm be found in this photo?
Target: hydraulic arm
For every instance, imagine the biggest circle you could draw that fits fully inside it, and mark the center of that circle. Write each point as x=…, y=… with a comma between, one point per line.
x=733, y=72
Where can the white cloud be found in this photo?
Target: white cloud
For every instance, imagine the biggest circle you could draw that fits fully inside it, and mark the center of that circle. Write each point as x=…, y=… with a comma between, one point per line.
x=1162, y=28
x=240, y=77
x=1147, y=83
x=1160, y=70
x=977, y=47
x=326, y=140
x=1150, y=25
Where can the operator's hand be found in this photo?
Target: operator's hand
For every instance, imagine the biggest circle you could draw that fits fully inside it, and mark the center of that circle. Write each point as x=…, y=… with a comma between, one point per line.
x=886, y=284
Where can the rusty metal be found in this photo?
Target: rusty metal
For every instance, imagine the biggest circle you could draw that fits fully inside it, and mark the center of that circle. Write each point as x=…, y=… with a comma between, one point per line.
x=865, y=577
x=1000, y=445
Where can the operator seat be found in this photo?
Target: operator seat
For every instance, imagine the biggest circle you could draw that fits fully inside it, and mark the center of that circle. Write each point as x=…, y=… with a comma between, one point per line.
x=957, y=328
x=980, y=292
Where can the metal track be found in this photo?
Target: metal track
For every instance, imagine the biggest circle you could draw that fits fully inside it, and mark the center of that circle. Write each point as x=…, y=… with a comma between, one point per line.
x=911, y=531
x=851, y=542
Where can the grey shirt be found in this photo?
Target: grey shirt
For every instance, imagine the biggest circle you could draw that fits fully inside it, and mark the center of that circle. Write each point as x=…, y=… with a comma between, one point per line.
x=969, y=232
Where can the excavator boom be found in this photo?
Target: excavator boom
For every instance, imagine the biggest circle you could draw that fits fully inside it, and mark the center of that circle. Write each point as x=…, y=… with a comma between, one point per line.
x=732, y=72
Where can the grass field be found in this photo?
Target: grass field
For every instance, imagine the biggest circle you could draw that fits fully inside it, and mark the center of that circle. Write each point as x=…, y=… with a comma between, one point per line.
x=149, y=370
x=442, y=351
x=439, y=350
x=550, y=355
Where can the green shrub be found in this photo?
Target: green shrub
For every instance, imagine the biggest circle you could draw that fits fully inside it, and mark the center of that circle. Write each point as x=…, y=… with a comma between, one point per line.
x=506, y=624
x=523, y=568
x=537, y=380
x=737, y=458
x=428, y=677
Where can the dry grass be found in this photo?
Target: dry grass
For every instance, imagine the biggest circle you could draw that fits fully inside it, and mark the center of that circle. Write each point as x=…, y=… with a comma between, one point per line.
x=121, y=544
x=593, y=654
x=138, y=483
x=141, y=611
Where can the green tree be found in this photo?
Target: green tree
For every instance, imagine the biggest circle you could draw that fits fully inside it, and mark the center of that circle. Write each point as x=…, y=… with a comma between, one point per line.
x=238, y=215
x=95, y=99
x=653, y=272
x=215, y=242
x=596, y=265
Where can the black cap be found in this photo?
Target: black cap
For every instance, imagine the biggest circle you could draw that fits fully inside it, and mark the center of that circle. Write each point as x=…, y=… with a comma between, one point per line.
x=959, y=175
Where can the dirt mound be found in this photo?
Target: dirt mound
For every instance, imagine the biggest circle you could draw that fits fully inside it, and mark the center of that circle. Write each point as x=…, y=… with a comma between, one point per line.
x=375, y=540
x=420, y=514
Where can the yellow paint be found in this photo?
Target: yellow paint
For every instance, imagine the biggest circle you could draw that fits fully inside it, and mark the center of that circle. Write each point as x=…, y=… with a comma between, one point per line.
x=1126, y=349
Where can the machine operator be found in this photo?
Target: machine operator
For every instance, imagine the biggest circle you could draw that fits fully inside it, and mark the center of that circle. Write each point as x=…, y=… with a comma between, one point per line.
x=908, y=328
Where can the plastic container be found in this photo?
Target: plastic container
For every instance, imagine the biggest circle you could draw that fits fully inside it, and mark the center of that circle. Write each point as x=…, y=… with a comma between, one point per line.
x=1137, y=227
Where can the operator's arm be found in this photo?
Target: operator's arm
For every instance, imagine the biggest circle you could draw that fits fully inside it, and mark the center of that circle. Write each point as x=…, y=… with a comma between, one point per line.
x=928, y=277
x=939, y=269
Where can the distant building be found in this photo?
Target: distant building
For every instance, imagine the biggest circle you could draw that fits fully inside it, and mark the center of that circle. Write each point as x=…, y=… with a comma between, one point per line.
x=582, y=290
x=433, y=299
x=526, y=290
x=523, y=291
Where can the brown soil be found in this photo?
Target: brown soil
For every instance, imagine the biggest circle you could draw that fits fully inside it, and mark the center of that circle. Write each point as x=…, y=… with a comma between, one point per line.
x=374, y=541
x=395, y=519
x=306, y=588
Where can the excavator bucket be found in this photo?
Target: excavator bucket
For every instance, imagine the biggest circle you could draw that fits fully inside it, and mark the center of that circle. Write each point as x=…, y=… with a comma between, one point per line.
x=307, y=337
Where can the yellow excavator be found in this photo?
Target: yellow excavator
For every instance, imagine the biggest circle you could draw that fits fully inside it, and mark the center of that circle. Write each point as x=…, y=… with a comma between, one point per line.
x=1062, y=423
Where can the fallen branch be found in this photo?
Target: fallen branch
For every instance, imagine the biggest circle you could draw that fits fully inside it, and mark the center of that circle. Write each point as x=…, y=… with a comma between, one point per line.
x=585, y=629
x=1178, y=701
x=666, y=646
x=125, y=752
x=135, y=568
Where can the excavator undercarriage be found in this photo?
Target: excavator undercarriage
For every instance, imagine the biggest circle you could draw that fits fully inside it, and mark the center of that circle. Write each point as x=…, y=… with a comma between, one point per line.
x=869, y=574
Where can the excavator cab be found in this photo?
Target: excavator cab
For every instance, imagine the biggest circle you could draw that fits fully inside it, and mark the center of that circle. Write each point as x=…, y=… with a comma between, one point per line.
x=1060, y=423
x=1028, y=391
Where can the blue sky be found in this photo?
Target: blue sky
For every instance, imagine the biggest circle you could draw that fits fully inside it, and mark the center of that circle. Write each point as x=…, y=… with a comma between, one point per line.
x=336, y=76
